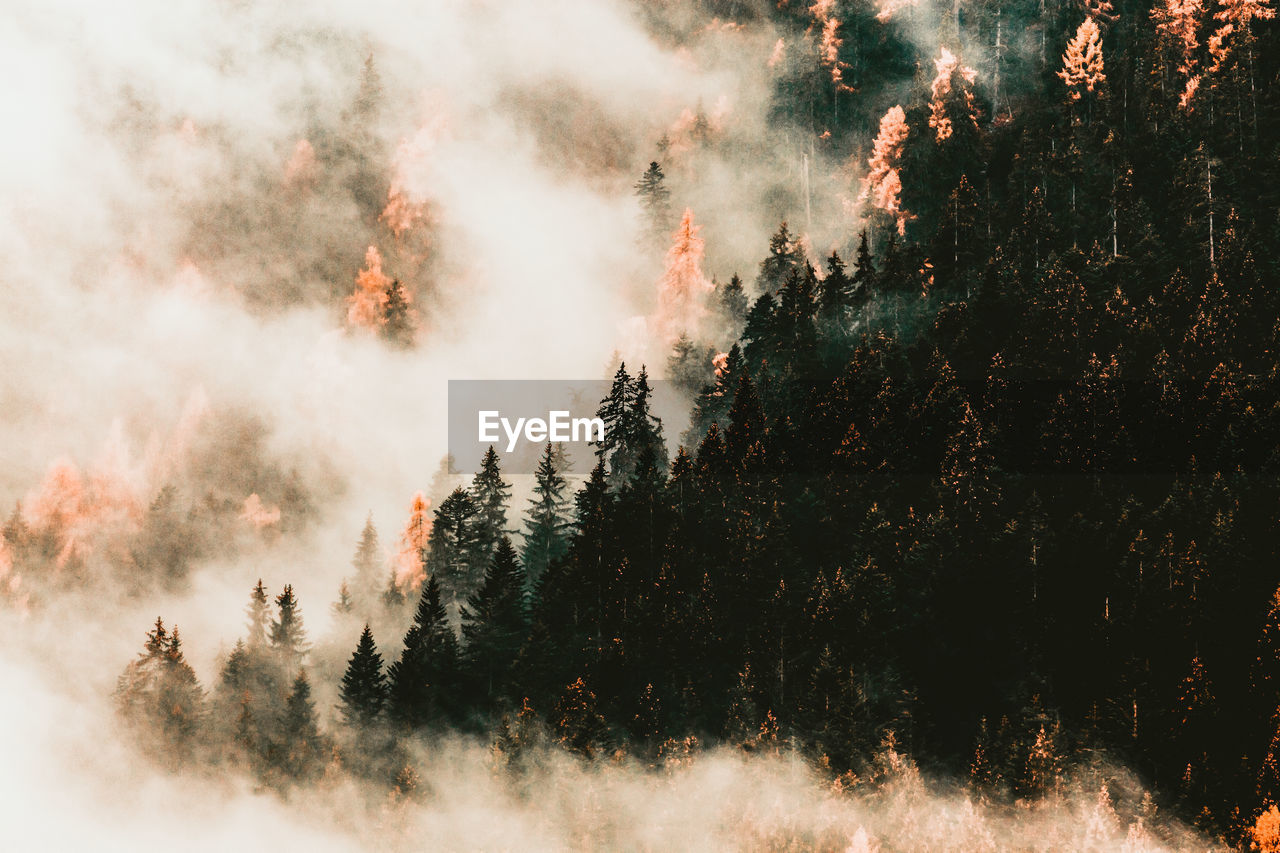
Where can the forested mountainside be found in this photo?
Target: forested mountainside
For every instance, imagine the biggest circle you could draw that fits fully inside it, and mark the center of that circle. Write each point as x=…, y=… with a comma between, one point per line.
x=980, y=481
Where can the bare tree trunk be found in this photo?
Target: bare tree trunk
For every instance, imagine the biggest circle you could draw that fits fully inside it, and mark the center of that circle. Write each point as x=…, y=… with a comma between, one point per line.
x=1209, y=167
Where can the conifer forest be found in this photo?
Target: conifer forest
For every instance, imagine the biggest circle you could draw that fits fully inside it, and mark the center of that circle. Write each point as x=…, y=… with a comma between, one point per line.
x=966, y=535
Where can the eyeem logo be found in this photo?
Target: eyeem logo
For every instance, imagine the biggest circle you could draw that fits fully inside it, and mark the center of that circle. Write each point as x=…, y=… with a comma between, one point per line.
x=557, y=427
x=518, y=418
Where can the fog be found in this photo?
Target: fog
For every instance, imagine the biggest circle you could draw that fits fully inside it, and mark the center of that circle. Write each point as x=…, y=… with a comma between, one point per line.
x=171, y=282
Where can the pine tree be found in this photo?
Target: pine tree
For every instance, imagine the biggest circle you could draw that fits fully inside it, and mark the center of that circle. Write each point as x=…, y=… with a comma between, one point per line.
x=689, y=366
x=833, y=290
x=1082, y=64
x=882, y=185
x=683, y=290
x=952, y=113
x=258, y=611
x=453, y=553
x=731, y=305
x=288, y=637
x=409, y=567
x=578, y=723
x=864, y=272
x=365, y=561
x=160, y=696
x=490, y=494
x=495, y=620
x=641, y=434
x=760, y=334
x=399, y=320
x=784, y=259
x=713, y=403
x=423, y=680
x=614, y=410
x=655, y=204
x=364, y=685
x=366, y=305
x=343, y=605
x=546, y=521
x=301, y=748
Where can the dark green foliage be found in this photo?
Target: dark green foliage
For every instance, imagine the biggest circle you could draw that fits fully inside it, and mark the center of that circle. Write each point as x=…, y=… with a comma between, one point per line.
x=631, y=430
x=495, y=621
x=731, y=305
x=364, y=685
x=655, y=205
x=422, y=683
x=1002, y=493
x=784, y=258
x=546, y=521
x=454, y=554
x=577, y=721
x=490, y=494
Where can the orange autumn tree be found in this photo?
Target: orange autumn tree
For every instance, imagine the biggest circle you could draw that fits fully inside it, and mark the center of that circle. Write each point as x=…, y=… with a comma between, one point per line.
x=365, y=305
x=886, y=9
x=684, y=288
x=951, y=96
x=409, y=566
x=1235, y=37
x=1177, y=24
x=1236, y=18
x=882, y=185
x=829, y=44
x=1265, y=832
x=1082, y=66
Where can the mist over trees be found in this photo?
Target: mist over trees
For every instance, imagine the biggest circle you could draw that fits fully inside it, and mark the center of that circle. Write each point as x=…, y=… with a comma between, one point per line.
x=977, y=499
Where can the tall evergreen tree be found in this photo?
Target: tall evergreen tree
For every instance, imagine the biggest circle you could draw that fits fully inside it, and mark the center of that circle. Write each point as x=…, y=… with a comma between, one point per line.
x=259, y=613
x=614, y=410
x=301, y=747
x=490, y=494
x=364, y=685
x=784, y=259
x=423, y=682
x=495, y=620
x=655, y=205
x=398, y=321
x=454, y=556
x=288, y=637
x=546, y=521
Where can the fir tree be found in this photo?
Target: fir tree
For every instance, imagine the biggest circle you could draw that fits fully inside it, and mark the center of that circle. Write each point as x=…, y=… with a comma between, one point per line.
x=546, y=521
x=833, y=291
x=578, y=723
x=160, y=696
x=343, y=605
x=288, y=637
x=655, y=204
x=258, y=611
x=301, y=747
x=490, y=494
x=398, y=320
x=454, y=555
x=364, y=685
x=614, y=410
x=422, y=681
x=495, y=620
x=731, y=305
x=784, y=259
x=366, y=562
